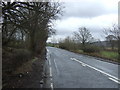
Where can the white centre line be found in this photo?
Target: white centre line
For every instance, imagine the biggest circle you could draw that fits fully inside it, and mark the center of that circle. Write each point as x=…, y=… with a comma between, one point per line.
x=56, y=66
x=49, y=63
x=50, y=72
x=111, y=76
x=47, y=50
x=48, y=55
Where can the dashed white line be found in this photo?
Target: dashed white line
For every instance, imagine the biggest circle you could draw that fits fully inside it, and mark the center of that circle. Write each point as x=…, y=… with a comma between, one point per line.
x=47, y=50
x=49, y=63
x=48, y=55
x=50, y=72
x=111, y=76
x=114, y=80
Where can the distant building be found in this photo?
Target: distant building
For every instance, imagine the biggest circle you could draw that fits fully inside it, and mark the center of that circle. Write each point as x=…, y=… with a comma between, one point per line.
x=104, y=43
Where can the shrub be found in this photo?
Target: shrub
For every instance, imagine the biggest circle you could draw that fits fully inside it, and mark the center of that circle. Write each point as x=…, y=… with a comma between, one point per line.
x=63, y=46
x=91, y=49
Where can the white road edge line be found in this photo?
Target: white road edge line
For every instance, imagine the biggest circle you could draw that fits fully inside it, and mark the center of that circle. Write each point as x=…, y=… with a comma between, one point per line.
x=48, y=55
x=51, y=85
x=56, y=66
x=97, y=69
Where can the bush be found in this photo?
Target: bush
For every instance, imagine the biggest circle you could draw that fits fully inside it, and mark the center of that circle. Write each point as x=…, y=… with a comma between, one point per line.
x=63, y=46
x=91, y=49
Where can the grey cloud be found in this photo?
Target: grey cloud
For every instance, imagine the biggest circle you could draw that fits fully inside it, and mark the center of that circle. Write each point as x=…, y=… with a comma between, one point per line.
x=64, y=32
x=86, y=9
x=85, y=13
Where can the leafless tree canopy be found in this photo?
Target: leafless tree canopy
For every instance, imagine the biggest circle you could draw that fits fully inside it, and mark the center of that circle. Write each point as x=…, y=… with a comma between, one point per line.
x=30, y=21
x=114, y=31
x=83, y=35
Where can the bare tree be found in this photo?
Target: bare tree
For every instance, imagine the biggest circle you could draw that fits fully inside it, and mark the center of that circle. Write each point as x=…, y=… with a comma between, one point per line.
x=32, y=18
x=83, y=36
x=111, y=40
x=115, y=31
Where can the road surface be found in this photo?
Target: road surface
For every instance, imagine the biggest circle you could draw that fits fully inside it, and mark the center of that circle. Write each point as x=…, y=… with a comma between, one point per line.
x=69, y=70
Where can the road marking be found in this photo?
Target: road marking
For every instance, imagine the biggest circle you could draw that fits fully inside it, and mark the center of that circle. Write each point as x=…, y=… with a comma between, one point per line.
x=84, y=65
x=51, y=79
x=114, y=80
x=48, y=54
x=49, y=62
x=56, y=66
x=50, y=72
x=51, y=86
x=47, y=50
x=97, y=69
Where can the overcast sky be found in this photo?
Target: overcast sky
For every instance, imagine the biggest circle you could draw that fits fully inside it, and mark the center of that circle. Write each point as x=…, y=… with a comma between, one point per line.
x=93, y=14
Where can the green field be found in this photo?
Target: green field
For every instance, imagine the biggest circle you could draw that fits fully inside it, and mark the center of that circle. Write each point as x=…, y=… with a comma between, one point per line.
x=108, y=54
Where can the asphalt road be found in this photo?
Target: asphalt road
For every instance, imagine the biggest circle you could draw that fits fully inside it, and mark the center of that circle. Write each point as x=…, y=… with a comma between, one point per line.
x=69, y=70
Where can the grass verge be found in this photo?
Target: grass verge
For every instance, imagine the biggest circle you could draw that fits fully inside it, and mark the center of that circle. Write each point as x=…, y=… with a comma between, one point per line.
x=109, y=55
x=25, y=67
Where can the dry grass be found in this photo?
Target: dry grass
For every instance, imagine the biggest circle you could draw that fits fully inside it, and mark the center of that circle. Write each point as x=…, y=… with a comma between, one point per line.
x=26, y=67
